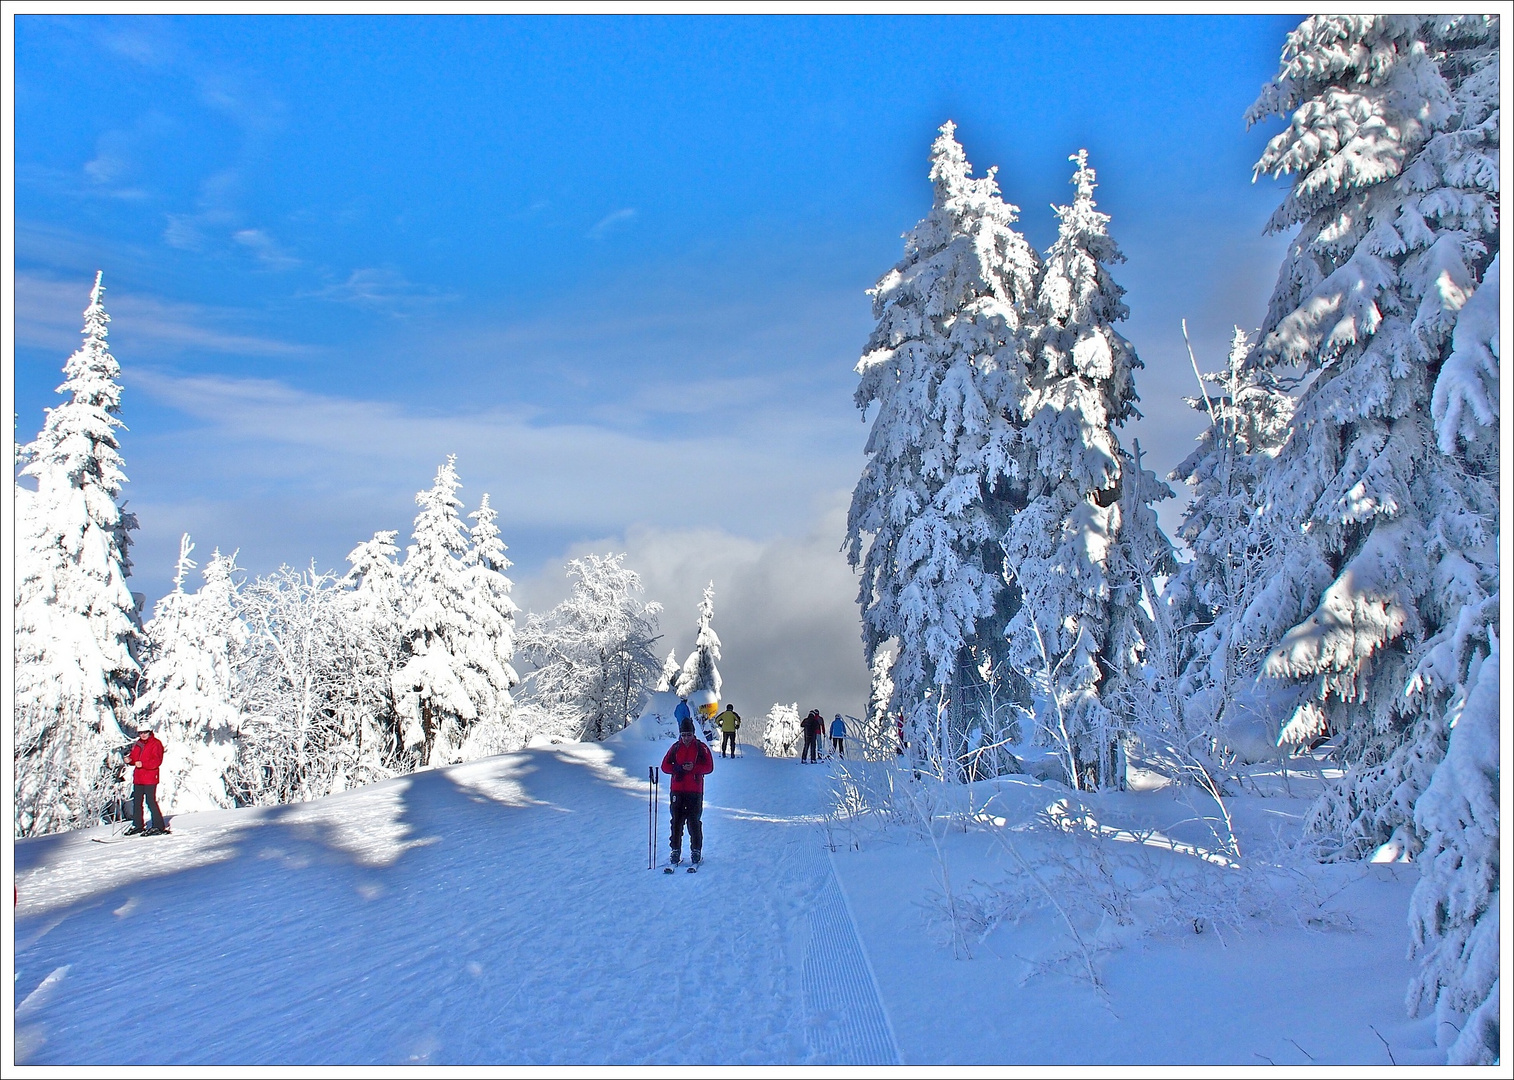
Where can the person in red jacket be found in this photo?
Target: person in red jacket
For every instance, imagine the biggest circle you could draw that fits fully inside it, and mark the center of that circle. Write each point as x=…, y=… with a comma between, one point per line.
x=147, y=755
x=688, y=762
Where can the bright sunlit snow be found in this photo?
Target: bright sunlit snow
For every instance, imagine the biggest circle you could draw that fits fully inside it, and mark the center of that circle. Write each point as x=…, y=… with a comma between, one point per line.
x=502, y=912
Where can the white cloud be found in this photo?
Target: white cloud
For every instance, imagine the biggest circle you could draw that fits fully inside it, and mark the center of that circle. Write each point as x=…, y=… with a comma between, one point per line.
x=785, y=607
x=381, y=288
x=558, y=475
x=612, y=223
x=268, y=251
x=50, y=314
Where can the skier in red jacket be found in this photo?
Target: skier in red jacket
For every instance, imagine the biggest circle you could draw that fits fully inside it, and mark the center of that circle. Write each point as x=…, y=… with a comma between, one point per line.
x=146, y=754
x=688, y=762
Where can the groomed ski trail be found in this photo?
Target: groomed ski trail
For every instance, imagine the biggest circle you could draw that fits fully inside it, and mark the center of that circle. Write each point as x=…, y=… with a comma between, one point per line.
x=499, y=912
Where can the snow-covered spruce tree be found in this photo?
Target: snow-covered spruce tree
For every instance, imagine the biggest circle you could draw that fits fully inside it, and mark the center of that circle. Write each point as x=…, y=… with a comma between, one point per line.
x=700, y=677
x=188, y=693
x=1454, y=914
x=670, y=668
x=780, y=734
x=1058, y=548
x=945, y=366
x=77, y=627
x=377, y=608
x=429, y=687
x=1383, y=540
x=441, y=684
x=1143, y=649
x=1229, y=545
x=491, y=645
x=592, y=656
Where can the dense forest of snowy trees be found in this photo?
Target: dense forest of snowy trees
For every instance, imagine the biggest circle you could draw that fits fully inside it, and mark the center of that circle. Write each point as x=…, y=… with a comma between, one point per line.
x=1341, y=575
x=1338, y=580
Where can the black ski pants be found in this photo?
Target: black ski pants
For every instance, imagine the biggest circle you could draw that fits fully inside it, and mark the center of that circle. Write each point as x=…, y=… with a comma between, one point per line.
x=838, y=746
x=811, y=749
x=687, y=808
x=149, y=792
x=727, y=739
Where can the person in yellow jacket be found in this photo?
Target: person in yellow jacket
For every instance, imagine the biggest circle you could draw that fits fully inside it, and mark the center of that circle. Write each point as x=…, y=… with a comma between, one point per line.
x=728, y=723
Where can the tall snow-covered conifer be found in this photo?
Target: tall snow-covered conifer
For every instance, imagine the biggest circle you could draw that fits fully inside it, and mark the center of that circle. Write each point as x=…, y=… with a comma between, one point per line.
x=188, y=693
x=491, y=645
x=1392, y=141
x=1059, y=547
x=699, y=674
x=377, y=608
x=77, y=628
x=437, y=684
x=1230, y=547
x=945, y=367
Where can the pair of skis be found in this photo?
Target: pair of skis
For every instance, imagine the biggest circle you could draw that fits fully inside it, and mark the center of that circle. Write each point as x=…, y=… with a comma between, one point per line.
x=121, y=838
x=654, y=784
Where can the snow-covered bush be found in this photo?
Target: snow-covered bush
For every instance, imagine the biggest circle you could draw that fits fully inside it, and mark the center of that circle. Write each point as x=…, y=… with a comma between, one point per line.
x=780, y=733
x=77, y=631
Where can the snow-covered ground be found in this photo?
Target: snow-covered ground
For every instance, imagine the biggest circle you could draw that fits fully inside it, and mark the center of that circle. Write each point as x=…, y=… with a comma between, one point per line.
x=502, y=912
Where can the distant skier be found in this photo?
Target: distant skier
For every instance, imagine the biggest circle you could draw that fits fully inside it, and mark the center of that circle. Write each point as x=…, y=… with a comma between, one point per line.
x=838, y=736
x=688, y=762
x=813, y=728
x=902, y=743
x=146, y=756
x=681, y=712
x=729, y=723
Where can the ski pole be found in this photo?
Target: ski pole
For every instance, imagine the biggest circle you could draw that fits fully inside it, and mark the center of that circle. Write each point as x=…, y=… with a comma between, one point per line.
x=650, y=825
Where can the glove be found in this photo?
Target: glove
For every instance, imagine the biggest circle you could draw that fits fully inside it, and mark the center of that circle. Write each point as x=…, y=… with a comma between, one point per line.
x=688, y=766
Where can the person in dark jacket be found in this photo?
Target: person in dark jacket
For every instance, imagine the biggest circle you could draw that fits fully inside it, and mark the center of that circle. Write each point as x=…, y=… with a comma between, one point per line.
x=688, y=762
x=146, y=756
x=813, y=728
x=729, y=722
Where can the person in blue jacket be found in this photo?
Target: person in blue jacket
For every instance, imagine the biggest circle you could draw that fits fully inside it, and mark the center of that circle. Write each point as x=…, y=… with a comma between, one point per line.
x=838, y=736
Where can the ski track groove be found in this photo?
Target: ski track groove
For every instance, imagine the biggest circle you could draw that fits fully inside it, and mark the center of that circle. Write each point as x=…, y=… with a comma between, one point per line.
x=848, y=1024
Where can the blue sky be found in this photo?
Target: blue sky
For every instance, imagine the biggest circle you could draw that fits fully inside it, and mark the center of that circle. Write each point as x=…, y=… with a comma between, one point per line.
x=617, y=265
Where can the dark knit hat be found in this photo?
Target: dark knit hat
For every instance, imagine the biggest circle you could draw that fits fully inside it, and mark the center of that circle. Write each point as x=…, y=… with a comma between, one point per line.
x=686, y=726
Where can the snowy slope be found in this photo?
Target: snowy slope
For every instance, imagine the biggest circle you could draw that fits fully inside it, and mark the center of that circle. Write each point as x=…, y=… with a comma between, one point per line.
x=502, y=912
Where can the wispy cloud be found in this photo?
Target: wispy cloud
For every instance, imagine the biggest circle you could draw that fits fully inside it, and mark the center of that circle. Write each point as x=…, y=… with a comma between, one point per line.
x=611, y=223
x=49, y=314
x=382, y=288
x=268, y=250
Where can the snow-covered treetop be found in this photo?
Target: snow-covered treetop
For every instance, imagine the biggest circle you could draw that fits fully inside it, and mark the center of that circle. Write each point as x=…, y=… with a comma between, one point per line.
x=486, y=547
x=184, y=565
x=77, y=444
x=439, y=531
x=1383, y=121
x=1078, y=301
